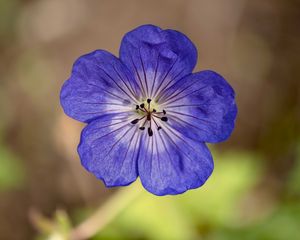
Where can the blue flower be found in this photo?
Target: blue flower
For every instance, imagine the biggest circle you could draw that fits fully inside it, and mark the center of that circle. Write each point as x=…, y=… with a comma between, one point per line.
x=148, y=115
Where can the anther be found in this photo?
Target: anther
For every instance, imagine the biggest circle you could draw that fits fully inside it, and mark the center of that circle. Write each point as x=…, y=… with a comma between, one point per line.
x=142, y=105
x=135, y=121
x=150, y=132
x=158, y=128
x=137, y=107
x=148, y=100
x=164, y=112
x=164, y=119
x=142, y=128
x=154, y=110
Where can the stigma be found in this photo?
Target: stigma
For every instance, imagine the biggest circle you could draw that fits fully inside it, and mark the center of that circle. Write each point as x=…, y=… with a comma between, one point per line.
x=149, y=116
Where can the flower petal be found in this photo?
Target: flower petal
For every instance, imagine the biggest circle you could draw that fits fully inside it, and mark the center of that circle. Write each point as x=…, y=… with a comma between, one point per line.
x=202, y=106
x=170, y=163
x=99, y=84
x=157, y=57
x=109, y=149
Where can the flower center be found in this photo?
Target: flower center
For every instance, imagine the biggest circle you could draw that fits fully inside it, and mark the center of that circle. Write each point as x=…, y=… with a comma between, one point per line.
x=149, y=115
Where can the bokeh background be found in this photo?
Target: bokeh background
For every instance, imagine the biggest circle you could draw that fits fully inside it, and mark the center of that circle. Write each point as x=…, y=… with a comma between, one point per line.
x=254, y=192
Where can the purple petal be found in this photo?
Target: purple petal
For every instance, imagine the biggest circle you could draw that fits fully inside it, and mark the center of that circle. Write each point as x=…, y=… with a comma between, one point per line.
x=99, y=84
x=171, y=163
x=157, y=57
x=202, y=107
x=109, y=149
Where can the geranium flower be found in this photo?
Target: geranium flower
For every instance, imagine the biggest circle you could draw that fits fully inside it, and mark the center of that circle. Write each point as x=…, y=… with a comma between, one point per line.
x=148, y=115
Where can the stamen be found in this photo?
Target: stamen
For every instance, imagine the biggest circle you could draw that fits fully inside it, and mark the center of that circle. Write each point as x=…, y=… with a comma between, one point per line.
x=135, y=121
x=158, y=128
x=150, y=132
x=137, y=107
x=142, y=110
x=164, y=119
x=148, y=101
x=163, y=111
x=143, y=126
x=150, y=123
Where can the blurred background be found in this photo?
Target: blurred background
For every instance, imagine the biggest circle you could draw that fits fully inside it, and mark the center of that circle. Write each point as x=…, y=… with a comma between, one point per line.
x=254, y=192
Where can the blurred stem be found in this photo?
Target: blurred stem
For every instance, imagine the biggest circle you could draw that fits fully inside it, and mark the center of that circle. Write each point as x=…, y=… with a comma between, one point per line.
x=106, y=213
